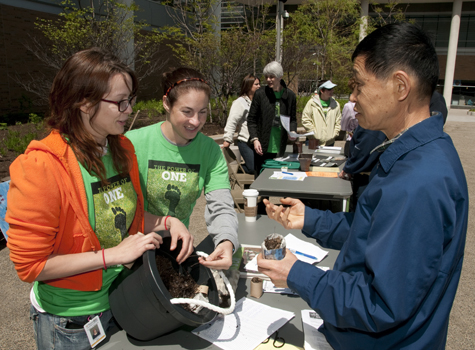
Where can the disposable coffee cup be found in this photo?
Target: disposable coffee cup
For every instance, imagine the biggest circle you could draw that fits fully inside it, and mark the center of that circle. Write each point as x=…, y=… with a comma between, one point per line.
x=250, y=213
x=251, y=197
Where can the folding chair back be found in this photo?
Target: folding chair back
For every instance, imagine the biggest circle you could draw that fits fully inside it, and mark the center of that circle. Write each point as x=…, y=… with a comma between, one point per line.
x=235, y=166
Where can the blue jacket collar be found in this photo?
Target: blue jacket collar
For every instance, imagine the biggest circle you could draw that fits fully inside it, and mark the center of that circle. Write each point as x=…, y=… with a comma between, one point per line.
x=416, y=136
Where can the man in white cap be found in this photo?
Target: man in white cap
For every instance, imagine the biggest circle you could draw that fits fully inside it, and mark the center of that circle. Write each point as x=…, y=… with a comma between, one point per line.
x=322, y=115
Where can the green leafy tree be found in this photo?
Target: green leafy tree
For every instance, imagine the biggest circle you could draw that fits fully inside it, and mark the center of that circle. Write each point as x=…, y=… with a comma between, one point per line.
x=391, y=12
x=319, y=40
x=111, y=26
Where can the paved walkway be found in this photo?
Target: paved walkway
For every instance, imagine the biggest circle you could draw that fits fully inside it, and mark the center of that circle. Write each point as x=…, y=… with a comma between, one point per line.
x=16, y=331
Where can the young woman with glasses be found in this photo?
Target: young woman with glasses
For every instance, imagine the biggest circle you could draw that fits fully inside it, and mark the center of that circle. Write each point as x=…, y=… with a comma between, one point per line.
x=75, y=207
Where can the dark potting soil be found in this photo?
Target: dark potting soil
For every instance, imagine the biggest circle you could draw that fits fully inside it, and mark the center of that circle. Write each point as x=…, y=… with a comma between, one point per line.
x=178, y=285
x=273, y=243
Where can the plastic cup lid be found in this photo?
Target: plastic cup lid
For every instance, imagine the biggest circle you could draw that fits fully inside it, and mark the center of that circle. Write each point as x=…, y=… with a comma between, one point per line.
x=250, y=193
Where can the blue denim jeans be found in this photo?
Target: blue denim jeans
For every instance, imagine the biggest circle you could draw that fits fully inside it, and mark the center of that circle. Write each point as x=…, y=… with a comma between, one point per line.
x=247, y=154
x=51, y=332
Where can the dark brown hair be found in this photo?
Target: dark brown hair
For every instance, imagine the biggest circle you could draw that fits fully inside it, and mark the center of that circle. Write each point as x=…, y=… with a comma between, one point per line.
x=247, y=84
x=84, y=78
x=182, y=79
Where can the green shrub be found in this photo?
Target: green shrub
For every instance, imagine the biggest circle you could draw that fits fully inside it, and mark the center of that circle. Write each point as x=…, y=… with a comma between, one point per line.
x=3, y=151
x=17, y=143
x=35, y=118
x=302, y=102
x=151, y=107
x=342, y=102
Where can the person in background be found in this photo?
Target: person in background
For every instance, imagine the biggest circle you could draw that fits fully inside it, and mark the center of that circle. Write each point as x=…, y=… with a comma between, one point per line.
x=176, y=162
x=361, y=160
x=75, y=205
x=266, y=132
x=348, y=124
x=238, y=117
x=401, y=252
x=322, y=115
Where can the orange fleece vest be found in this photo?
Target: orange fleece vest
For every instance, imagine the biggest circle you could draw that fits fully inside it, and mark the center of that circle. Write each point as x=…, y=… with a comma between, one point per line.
x=47, y=211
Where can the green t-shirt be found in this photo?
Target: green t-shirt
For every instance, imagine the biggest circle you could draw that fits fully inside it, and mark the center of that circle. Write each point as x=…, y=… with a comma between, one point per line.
x=276, y=131
x=172, y=177
x=111, y=210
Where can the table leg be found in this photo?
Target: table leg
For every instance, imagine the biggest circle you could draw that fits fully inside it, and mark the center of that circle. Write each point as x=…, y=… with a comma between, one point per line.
x=345, y=203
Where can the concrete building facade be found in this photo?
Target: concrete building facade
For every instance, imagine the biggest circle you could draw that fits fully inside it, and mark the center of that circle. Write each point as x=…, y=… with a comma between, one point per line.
x=17, y=63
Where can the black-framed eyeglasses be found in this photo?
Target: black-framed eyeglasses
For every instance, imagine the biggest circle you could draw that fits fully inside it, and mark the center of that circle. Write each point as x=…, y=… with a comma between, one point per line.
x=123, y=104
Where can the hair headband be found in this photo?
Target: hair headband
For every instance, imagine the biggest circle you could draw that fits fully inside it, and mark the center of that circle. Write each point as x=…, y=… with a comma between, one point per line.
x=182, y=81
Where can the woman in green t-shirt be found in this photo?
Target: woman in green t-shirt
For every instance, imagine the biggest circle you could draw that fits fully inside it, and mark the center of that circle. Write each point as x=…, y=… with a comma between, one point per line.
x=271, y=103
x=177, y=163
x=75, y=209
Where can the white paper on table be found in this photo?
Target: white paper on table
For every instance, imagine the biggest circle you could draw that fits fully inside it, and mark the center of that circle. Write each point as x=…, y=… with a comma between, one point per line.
x=285, y=120
x=328, y=149
x=269, y=287
x=314, y=340
x=295, y=244
x=294, y=157
x=249, y=325
x=295, y=175
x=251, y=265
x=295, y=135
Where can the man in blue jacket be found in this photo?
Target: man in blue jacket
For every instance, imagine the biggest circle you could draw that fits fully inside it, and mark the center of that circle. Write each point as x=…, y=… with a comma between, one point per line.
x=401, y=251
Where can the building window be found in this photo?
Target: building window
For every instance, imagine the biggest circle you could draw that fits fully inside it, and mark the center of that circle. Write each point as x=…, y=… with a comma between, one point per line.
x=438, y=26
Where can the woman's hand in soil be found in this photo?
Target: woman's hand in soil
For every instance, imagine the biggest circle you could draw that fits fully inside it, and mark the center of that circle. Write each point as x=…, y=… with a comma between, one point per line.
x=277, y=270
x=290, y=217
x=131, y=248
x=221, y=258
x=179, y=231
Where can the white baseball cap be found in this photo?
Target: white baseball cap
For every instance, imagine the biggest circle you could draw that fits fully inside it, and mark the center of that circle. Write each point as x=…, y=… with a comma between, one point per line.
x=328, y=85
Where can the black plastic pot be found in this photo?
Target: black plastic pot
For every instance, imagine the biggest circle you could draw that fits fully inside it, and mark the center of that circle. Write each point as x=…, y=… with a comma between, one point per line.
x=140, y=302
